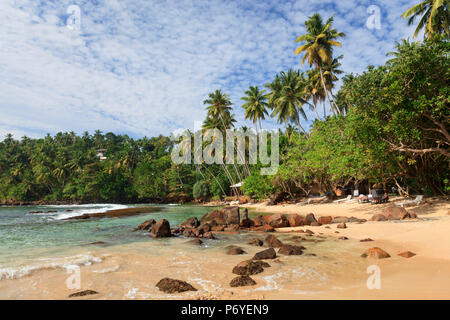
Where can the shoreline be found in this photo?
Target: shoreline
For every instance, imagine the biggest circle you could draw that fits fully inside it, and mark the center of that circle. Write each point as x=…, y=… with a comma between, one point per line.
x=130, y=271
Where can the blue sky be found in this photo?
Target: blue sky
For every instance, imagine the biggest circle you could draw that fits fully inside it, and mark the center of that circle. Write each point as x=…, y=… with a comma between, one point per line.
x=144, y=67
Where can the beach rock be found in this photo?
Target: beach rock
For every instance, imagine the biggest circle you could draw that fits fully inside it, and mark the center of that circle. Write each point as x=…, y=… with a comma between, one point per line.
x=246, y=223
x=273, y=241
x=82, y=293
x=188, y=233
x=407, y=254
x=278, y=221
x=343, y=238
x=218, y=228
x=325, y=220
x=235, y=250
x=205, y=227
x=295, y=220
x=376, y=253
x=289, y=250
x=256, y=242
x=276, y=198
x=265, y=254
x=250, y=267
x=244, y=215
x=357, y=220
x=208, y=235
x=195, y=241
x=190, y=223
x=342, y=226
x=231, y=228
x=315, y=224
x=309, y=232
x=309, y=219
x=147, y=225
x=264, y=228
x=168, y=285
x=224, y=216
x=412, y=215
x=396, y=213
x=242, y=281
x=339, y=220
x=378, y=217
x=258, y=221
x=161, y=229
x=366, y=240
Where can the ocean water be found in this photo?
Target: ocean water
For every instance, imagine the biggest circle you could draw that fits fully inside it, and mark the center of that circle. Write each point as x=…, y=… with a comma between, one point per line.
x=125, y=264
x=29, y=241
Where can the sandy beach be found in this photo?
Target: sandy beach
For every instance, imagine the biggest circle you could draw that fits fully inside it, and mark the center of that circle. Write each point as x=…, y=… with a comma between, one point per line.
x=330, y=268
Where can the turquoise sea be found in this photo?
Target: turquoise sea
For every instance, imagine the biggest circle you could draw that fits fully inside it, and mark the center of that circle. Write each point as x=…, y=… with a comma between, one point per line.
x=27, y=239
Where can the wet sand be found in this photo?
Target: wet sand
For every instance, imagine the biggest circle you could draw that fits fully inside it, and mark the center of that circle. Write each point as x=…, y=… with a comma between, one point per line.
x=336, y=272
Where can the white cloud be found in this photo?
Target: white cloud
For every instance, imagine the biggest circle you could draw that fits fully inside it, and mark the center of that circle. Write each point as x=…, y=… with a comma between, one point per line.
x=144, y=67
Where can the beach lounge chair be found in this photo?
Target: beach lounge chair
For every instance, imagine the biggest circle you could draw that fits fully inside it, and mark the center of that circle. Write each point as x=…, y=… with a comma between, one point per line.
x=414, y=202
x=349, y=197
x=377, y=199
x=312, y=199
x=363, y=198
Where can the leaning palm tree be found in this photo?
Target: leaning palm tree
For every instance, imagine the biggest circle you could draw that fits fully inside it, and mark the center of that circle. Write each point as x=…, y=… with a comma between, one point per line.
x=434, y=17
x=256, y=105
x=318, y=45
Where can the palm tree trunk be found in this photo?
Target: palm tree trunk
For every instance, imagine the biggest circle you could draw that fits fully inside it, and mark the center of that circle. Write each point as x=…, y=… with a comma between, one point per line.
x=315, y=109
x=335, y=104
x=326, y=91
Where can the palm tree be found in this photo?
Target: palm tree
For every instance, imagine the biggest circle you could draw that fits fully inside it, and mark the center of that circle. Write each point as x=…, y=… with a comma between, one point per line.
x=256, y=105
x=314, y=89
x=290, y=96
x=318, y=45
x=434, y=17
x=330, y=72
x=218, y=106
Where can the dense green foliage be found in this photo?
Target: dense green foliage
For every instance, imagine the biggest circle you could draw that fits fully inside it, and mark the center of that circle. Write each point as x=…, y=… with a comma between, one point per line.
x=390, y=126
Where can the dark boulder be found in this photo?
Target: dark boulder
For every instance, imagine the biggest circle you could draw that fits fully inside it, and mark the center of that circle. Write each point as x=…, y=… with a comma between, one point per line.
x=407, y=254
x=246, y=223
x=340, y=220
x=325, y=220
x=273, y=241
x=82, y=293
x=256, y=242
x=278, y=221
x=147, y=225
x=250, y=267
x=295, y=220
x=265, y=254
x=396, y=213
x=309, y=219
x=378, y=217
x=195, y=241
x=235, y=250
x=242, y=281
x=224, y=216
x=173, y=286
x=161, y=229
x=190, y=223
x=376, y=253
x=289, y=250
x=258, y=221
